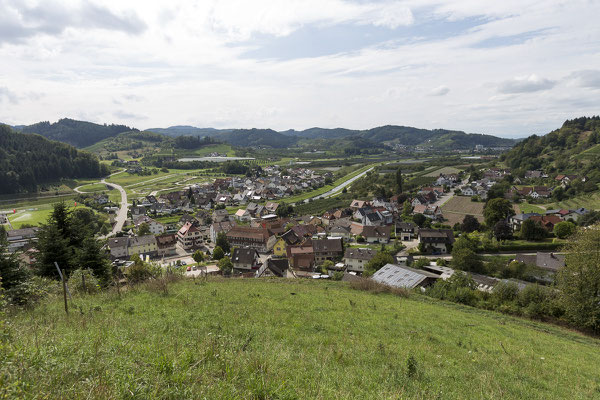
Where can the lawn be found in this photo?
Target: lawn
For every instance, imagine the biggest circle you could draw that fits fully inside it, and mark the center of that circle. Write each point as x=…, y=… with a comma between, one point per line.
x=94, y=187
x=287, y=339
x=457, y=207
x=530, y=208
x=35, y=214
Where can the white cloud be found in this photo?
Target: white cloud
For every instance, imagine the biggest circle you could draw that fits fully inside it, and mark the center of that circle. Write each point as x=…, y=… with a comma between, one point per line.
x=184, y=64
x=526, y=84
x=439, y=91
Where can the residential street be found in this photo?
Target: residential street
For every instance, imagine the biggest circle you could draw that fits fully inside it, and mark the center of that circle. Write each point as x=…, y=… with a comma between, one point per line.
x=122, y=214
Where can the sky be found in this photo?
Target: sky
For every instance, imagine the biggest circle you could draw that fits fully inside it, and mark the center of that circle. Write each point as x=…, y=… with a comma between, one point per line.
x=509, y=68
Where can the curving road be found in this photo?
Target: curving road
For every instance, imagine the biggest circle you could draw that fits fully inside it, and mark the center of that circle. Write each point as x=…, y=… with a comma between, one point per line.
x=340, y=186
x=122, y=214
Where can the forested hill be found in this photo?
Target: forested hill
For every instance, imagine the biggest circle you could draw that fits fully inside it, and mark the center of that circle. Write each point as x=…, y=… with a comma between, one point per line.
x=389, y=135
x=76, y=133
x=572, y=149
x=28, y=160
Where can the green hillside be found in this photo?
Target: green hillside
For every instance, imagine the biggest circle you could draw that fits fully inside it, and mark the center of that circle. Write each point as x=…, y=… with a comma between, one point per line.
x=286, y=339
x=76, y=133
x=572, y=149
x=132, y=140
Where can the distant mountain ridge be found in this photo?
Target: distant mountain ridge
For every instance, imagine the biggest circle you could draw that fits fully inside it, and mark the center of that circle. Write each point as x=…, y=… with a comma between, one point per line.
x=84, y=134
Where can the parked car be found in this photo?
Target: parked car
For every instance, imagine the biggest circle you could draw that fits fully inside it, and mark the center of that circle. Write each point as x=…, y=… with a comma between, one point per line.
x=194, y=268
x=189, y=268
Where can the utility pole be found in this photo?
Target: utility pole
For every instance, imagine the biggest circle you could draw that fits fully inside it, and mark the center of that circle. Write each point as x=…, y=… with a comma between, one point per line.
x=64, y=285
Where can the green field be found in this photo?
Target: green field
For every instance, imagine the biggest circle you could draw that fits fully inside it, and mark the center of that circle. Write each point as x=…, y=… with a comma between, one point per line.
x=35, y=214
x=445, y=170
x=94, y=187
x=531, y=208
x=294, y=339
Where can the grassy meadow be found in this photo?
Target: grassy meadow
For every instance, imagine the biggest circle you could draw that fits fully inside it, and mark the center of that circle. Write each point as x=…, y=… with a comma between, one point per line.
x=286, y=339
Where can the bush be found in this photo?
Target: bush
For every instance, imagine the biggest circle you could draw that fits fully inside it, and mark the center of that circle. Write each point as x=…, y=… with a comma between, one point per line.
x=337, y=276
x=372, y=286
x=76, y=282
x=505, y=292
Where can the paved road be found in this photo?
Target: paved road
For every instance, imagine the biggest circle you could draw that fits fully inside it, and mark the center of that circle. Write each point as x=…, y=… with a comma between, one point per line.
x=122, y=214
x=340, y=186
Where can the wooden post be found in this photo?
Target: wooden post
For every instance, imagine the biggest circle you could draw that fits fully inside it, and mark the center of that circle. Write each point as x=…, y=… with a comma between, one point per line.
x=64, y=285
x=83, y=281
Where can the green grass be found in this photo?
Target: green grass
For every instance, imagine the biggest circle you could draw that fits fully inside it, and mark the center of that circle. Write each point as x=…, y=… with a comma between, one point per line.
x=94, y=187
x=35, y=215
x=295, y=339
x=530, y=208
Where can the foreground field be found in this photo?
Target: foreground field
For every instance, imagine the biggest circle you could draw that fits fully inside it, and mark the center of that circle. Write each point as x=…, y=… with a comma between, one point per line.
x=456, y=208
x=268, y=339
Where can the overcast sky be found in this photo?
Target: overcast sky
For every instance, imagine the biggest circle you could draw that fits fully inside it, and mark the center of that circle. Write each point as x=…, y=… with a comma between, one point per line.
x=504, y=67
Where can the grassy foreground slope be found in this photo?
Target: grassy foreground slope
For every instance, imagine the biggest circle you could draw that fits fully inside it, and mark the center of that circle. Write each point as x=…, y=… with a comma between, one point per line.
x=242, y=339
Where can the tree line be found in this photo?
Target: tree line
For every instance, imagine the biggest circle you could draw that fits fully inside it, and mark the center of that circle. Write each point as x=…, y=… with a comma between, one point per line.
x=27, y=161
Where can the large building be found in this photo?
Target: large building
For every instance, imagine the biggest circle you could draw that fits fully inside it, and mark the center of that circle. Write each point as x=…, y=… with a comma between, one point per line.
x=254, y=238
x=356, y=259
x=327, y=249
x=189, y=235
x=437, y=241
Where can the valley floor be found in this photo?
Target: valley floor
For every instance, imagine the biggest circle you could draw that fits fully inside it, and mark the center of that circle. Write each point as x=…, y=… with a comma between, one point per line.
x=298, y=339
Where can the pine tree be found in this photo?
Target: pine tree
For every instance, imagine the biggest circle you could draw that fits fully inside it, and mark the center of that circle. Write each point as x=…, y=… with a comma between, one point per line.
x=91, y=256
x=399, y=179
x=52, y=247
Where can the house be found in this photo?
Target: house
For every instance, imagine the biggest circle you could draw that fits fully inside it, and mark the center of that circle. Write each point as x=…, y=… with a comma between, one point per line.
x=327, y=249
x=302, y=257
x=357, y=258
x=166, y=245
x=436, y=240
x=467, y=191
x=535, y=174
x=19, y=238
x=244, y=258
x=138, y=210
x=541, y=192
x=255, y=238
x=340, y=231
x=279, y=248
x=3, y=219
x=271, y=207
x=548, y=261
x=377, y=234
x=242, y=215
x=547, y=221
x=278, y=266
x=185, y=218
x=218, y=227
x=404, y=277
x=156, y=228
x=189, y=235
x=220, y=215
x=118, y=247
x=517, y=220
x=357, y=204
x=101, y=199
x=406, y=231
x=142, y=245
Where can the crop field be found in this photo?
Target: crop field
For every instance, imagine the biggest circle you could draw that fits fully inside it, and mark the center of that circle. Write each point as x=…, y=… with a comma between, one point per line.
x=457, y=207
x=444, y=170
x=287, y=339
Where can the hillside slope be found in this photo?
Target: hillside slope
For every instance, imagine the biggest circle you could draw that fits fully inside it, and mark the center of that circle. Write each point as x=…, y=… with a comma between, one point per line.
x=571, y=149
x=288, y=339
x=27, y=161
x=76, y=133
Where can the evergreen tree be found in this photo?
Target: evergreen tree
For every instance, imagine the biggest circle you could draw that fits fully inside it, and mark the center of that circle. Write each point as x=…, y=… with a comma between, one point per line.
x=52, y=247
x=222, y=242
x=399, y=179
x=91, y=256
x=12, y=273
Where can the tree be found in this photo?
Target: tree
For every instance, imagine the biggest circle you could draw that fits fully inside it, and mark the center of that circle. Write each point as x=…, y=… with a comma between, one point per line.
x=532, y=230
x=419, y=219
x=496, y=210
x=399, y=179
x=13, y=275
x=144, y=229
x=564, y=229
x=222, y=242
x=378, y=261
x=502, y=230
x=198, y=256
x=470, y=224
x=407, y=208
x=284, y=210
x=91, y=257
x=464, y=255
x=225, y=265
x=579, y=280
x=218, y=253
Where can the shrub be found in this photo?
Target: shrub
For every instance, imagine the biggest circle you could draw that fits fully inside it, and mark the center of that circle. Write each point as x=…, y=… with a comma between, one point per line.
x=372, y=286
x=77, y=279
x=505, y=292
